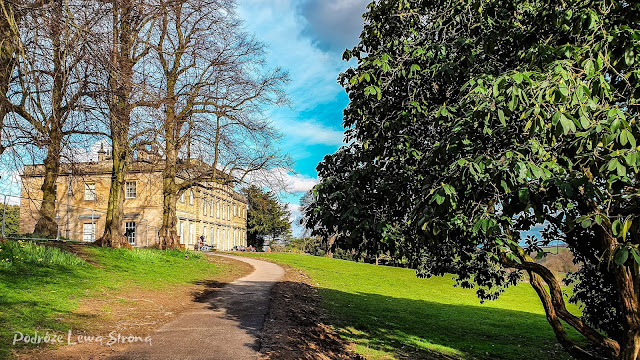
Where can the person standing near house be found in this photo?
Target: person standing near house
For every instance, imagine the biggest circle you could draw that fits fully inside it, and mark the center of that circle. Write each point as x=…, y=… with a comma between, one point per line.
x=200, y=244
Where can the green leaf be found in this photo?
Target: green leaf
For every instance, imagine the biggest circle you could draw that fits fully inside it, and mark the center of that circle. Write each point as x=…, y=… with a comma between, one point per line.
x=621, y=256
x=564, y=90
x=625, y=228
x=523, y=195
x=517, y=77
x=501, y=117
x=615, y=227
x=598, y=219
x=586, y=223
x=629, y=56
x=636, y=256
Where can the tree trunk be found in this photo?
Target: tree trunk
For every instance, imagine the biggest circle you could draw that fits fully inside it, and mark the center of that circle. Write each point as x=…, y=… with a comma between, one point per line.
x=626, y=279
x=113, y=235
x=7, y=59
x=168, y=234
x=120, y=85
x=47, y=224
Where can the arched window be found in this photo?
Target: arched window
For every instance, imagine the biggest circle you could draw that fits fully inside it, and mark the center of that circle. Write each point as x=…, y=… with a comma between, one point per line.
x=190, y=197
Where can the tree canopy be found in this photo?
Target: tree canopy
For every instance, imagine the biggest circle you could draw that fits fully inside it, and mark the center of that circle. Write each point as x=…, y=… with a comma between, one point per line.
x=266, y=217
x=473, y=121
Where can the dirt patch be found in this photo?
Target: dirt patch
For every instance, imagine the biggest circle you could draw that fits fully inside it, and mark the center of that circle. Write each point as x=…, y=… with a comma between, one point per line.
x=131, y=312
x=295, y=325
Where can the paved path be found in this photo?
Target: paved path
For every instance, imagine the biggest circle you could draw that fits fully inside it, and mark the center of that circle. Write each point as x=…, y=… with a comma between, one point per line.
x=223, y=327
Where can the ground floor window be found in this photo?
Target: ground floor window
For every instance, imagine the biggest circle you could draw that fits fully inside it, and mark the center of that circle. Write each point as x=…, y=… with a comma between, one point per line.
x=211, y=238
x=130, y=232
x=191, y=234
x=181, y=232
x=88, y=232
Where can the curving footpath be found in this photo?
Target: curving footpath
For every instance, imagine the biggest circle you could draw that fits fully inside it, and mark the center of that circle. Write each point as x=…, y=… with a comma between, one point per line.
x=225, y=326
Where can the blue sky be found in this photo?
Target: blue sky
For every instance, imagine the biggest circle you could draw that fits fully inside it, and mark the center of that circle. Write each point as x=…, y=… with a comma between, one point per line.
x=307, y=38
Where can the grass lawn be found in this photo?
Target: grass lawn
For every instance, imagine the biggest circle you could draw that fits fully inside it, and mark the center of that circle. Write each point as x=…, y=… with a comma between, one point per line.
x=40, y=285
x=389, y=313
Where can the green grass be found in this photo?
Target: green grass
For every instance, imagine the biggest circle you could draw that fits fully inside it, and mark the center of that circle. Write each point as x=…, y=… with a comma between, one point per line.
x=40, y=285
x=389, y=313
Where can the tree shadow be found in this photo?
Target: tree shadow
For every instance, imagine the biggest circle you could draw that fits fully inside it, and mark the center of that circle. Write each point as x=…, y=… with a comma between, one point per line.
x=419, y=329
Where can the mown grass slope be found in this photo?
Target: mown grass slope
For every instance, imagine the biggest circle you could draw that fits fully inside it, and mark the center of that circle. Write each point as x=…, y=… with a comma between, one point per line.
x=40, y=285
x=389, y=313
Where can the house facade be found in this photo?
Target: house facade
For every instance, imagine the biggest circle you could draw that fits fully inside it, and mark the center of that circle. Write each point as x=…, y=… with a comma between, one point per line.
x=82, y=192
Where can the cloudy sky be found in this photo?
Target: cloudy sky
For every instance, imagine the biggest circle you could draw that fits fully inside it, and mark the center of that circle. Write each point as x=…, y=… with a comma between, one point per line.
x=307, y=38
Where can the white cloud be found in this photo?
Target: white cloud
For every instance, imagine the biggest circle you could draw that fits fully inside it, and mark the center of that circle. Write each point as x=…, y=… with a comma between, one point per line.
x=296, y=183
x=313, y=133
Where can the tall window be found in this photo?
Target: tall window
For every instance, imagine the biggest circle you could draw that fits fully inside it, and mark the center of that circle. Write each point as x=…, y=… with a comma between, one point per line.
x=130, y=190
x=229, y=212
x=190, y=197
x=181, y=232
x=204, y=232
x=88, y=232
x=130, y=232
x=211, y=238
x=191, y=234
x=222, y=211
x=204, y=207
x=182, y=197
x=235, y=210
x=218, y=237
x=218, y=209
x=90, y=191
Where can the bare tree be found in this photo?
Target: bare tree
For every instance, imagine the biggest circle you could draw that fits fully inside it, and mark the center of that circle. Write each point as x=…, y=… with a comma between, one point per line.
x=48, y=88
x=9, y=49
x=214, y=88
x=129, y=39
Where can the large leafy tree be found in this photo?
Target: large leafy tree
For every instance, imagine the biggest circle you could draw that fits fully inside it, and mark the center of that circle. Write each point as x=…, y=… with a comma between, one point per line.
x=266, y=217
x=472, y=121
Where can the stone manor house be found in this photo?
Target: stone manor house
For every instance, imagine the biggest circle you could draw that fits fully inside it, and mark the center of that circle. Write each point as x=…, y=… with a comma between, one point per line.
x=215, y=211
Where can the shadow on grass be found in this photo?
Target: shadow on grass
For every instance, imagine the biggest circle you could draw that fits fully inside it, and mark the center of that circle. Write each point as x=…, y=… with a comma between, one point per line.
x=418, y=329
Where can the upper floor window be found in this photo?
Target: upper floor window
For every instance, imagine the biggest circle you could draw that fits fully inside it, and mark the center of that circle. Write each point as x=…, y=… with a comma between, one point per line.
x=190, y=197
x=182, y=197
x=204, y=208
x=218, y=210
x=130, y=190
x=90, y=191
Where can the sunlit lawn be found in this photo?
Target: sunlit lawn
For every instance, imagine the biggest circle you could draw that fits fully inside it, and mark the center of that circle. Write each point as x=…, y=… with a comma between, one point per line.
x=41, y=285
x=388, y=313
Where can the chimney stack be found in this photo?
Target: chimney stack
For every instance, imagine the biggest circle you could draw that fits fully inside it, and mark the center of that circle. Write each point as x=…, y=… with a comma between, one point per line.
x=101, y=153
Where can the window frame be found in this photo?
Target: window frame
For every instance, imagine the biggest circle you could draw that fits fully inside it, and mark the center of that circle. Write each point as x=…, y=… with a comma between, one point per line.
x=91, y=191
x=134, y=234
x=127, y=189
